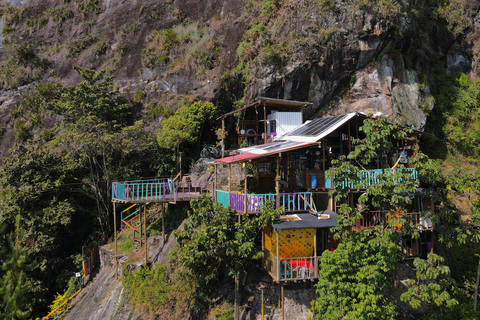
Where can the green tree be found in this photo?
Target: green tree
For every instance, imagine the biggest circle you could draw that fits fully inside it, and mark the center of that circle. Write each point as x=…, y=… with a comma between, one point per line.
x=214, y=236
x=356, y=279
x=431, y=286
x=95, y=142
x=92, y=100
x=188, y=126
x=62, y=183
x=31, y=183
x=14, y=286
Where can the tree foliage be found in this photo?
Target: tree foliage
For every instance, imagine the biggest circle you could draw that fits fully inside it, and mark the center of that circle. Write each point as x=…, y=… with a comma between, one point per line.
x=213, y=237
x=356, y=279
x=188, y=125
x=61, y=182
x=431, y=286
x=14, y=284
x=92, y=100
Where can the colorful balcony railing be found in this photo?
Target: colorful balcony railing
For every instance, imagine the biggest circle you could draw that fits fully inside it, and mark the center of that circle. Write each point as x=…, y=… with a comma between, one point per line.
x=297, y=268
x=371, y=219
x=366, y=178
x=292, y=202
x=158, y=190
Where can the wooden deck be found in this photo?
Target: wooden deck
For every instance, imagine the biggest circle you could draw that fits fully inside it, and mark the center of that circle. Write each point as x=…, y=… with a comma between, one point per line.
x=158, y=190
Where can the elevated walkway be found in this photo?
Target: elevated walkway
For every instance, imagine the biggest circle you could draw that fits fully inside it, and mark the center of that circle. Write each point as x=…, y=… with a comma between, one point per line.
x=159, y=190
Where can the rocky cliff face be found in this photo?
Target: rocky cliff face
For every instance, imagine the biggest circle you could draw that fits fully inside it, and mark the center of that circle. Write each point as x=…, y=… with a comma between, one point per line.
x=341, y=55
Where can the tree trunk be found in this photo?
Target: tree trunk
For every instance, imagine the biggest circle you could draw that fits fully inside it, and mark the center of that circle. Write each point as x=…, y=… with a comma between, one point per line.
x=236, y=315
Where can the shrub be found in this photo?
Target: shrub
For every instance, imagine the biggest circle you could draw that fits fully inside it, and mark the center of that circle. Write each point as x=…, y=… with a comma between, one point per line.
x=139, y=96
x=20, y=66
x=158, y=48
x=78, y=46
x=160, y=292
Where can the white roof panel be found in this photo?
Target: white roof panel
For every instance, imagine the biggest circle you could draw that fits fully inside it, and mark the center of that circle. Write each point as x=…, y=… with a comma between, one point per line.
x=315, y=130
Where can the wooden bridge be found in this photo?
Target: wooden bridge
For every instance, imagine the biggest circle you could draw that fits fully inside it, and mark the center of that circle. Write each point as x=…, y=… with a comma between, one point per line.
x=159, y=190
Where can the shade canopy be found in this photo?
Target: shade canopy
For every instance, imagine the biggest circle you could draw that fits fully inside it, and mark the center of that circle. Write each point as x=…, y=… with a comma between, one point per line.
x=307, y=221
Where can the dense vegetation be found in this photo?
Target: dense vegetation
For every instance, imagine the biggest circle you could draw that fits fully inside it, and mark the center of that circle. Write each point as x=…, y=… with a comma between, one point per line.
x=214, y=241
x=357, y=280
x=72, y=141
x=58, y=179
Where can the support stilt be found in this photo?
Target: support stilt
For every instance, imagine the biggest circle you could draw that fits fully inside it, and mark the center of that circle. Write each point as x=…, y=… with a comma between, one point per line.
x=145, y=228
x=115, y=237
x=283, y=304
x=163, y=223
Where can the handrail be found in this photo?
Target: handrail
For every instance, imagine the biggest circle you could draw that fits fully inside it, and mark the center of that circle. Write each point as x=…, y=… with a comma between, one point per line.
x=292, y=202
x=130, y=226
x=372, y=218
x=54, y=310
x=133, y=205
x=293, y=268
x=152, y=190
x=370, y=177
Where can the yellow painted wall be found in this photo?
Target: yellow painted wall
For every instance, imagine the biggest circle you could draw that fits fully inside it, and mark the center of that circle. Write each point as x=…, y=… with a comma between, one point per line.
x=293, y=243
x=267, y=234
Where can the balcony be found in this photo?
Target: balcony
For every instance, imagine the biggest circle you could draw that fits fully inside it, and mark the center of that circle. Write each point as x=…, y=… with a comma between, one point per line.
x=371, y=219
x=158, y=190
x=367, y=178
x=292, y=202
x=288, y=269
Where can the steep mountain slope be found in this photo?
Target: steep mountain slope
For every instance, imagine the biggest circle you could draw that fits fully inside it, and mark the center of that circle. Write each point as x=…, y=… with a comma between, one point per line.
x=372, y=54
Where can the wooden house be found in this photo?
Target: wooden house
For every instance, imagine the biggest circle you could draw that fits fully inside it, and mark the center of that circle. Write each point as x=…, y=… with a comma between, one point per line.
x=290, y=170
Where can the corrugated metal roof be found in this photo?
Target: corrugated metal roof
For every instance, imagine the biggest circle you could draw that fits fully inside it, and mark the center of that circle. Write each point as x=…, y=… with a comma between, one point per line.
x=270, y=102
x=265, y=150
x=315, y=130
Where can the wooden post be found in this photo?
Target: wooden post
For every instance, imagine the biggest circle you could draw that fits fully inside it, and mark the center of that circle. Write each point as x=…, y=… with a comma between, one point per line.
x=349, y=142
x=315, y=270
x=283, y=304
x=246, y=193
x=215, y=184
x=229, y=180
x=278, y=256
x=277, y=181
x=263, y=307
x=145, y=228
x=323, y=160
x=237, y=296
x=163, y=222
x=141, y=226
x=180, y=166
x=115, y=237
x=223, y=137
x=264, y=123
x=279, y=295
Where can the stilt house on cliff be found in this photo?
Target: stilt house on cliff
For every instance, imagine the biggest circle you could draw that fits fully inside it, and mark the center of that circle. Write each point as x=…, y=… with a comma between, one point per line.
x=288, y=160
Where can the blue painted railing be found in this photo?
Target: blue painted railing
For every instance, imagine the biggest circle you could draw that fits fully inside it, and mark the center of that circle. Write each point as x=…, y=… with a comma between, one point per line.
x=222, y=198
x=159, y=190
x=291, y=202
x=368, y=178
